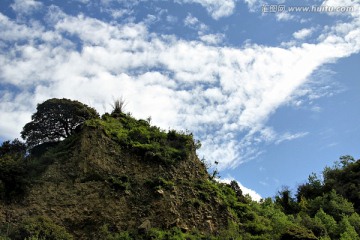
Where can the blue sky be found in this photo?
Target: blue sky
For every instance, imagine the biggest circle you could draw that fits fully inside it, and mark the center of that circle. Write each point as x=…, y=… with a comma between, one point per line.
x=270, y=90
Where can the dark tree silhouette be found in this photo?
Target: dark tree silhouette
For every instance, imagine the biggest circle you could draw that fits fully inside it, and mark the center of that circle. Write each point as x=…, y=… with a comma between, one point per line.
x=235, y=186
x=56, y=119
x=15, y=148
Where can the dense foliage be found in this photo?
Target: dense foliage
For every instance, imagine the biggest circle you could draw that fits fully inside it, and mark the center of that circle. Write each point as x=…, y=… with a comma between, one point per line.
x=56, y=119
x=145, y=140
x=12, y=168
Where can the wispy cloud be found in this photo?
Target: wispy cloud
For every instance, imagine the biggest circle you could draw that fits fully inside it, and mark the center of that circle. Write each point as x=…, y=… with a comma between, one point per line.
x=303, y=33
x=223, y=94
x=216, y=8
x=26, y=6
x=212, y=39
x=203, y=31
x=290, y=136
x=254, y=5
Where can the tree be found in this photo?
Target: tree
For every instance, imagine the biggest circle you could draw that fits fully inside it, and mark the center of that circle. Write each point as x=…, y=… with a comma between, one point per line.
x=332, y=204
x=12, y=168
x=328, y=221
x=285, y=200
x=14, y=147
x=347, y=231
x=235, y=186
x=346, y=160
x=312, y=189
x=55, y=120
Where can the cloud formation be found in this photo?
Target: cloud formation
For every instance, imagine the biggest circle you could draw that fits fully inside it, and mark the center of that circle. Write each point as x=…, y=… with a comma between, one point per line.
x=216, y=8
x=26, y=6
x=303, y=33
x=223, y=94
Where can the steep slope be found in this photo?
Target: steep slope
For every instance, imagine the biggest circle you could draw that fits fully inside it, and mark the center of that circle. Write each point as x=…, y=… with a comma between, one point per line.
x=92, y=180
x=121, y=178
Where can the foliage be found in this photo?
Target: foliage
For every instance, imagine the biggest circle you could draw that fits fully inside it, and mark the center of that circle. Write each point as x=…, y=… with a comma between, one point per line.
x=119, y=183
x=312, y=189
x=105, y=234
x=172, y=234
x=324, y=207
x=343, y=177
x=347, y=231
x=56, y=119
x=118, y=107
x=12, y=181
x=328, y=222
x=145, y=140
x=14, y=148
x=12, y=169
x=333, y=204
x=160, y=183
x=345, y=180
x=19, y=168
x=354, y=220
x=285, y=200
x=41, y=228
x=297, y=232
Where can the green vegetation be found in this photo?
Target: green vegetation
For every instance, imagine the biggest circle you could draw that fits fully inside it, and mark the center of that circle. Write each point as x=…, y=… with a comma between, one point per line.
x=119, y=183
x=12, y=169
x=153, y=233
x=147, y=141
x=40, y=228
x=147, y=174
x=56, y=119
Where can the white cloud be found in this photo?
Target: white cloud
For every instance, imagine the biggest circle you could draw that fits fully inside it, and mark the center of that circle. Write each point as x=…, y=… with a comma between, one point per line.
x=303, y=33
x=320, y=84
x=284, y=16
x=203, y=29
x=83, y=1
x=246, y=191
x=212, y=39
x=223, y=94
x=26, y=6
x=190, y=20
x=290, y=136
x=194, y=23
x=171, y=19
x=119, y=13
x=216, y=8
x=254, y=5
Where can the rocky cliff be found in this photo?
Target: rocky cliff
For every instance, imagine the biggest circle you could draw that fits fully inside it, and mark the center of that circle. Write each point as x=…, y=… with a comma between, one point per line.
x=120, y=174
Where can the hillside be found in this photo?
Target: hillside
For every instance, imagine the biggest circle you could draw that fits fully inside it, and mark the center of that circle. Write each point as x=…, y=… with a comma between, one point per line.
x=91, y=181
x=117, y=177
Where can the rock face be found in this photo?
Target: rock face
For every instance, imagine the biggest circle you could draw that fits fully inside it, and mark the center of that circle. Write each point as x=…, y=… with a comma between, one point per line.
x=92, y=181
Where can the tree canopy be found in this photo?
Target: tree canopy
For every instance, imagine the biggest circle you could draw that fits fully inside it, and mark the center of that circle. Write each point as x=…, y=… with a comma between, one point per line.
x=56, y=119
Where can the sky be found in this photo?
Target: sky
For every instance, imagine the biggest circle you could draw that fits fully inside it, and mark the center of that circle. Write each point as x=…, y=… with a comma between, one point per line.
x=270, y=87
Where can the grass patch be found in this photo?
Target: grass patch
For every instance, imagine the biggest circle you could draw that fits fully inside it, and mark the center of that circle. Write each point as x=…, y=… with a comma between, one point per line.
x=150, y=142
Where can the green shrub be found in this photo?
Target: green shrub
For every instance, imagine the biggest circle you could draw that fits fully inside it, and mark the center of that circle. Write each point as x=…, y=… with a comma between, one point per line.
x=296, y=232
x=144, y=140
x=12, y=177
x=105, y=234
x=41, y=228
x=119, y=183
